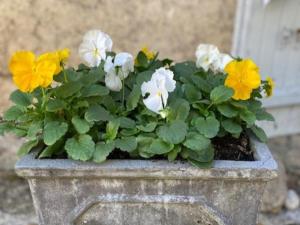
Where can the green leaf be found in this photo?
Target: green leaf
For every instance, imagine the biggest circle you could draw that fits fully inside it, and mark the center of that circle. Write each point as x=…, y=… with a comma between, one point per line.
x=142, y=60
x=191, y=93
x=68, y=89
x=179, y=109
x=143, y=77
x=264, y=115
x=70, y=74
x=221, y=94
x=127, y=123
x=80, y=148
x=13, y=113
x=149, y=127
x=129, y=132
x=49, y=151
x=159, y=147
x=102, y=151
x=81, y=125
x=172, y=155
x=127, y=144
x=174, y=132
x=53, y=131
x=259, y=133
x=93, y=76
x=94, y=90
x=248, y=117
x=184, y=69
x=209, y=127
x=231, y=126
x=144, y=143
x=205, y=155
x=196, y=142
x=133, y=98
x=27, y=147
x=227, y=110
x=97, y=113
x=55, y=105
x=34, y=129
x=20, y=98
x=112, y=129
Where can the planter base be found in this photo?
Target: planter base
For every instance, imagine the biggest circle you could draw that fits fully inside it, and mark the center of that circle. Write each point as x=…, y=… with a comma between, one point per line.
x=145, y=192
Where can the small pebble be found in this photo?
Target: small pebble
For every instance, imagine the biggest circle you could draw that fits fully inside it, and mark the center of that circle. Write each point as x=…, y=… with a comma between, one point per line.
x=292, y=200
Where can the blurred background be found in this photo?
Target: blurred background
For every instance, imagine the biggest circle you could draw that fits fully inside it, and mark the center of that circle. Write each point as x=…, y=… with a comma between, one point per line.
x=266, y=30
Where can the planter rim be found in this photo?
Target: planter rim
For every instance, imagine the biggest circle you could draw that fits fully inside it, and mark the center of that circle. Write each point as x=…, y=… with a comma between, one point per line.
x=263, y=168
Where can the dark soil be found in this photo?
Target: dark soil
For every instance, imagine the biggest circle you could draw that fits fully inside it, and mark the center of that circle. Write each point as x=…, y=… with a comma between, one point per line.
x=230, y=148
x=226, y=148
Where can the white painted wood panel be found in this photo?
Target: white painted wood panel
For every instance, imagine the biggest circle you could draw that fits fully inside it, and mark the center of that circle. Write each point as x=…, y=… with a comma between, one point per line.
x=270, y=35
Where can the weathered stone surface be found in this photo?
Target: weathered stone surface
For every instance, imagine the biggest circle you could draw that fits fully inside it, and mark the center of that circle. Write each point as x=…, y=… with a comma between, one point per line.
x=275, y=191
x=9, y=146
x=17, y=219
x=288, y=149
x=15, y=196
x=173, y=27
x=70, y=192
x=284, y=218
x=292, y=200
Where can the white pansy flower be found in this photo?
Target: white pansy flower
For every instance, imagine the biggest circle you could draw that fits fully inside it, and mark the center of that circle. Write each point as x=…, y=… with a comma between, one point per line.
x=94, y=46
x=126, y=63
x=118, y=70
x=220, y=64
x=158, y=88
x=168, y=75
x=206, y=55
x=112, y=81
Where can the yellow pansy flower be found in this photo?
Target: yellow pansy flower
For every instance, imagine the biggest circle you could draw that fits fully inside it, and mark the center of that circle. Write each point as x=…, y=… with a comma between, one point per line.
x=63, y=55
x=271, y=84
x=29, y=73
x=58, y=57
x=243, y=76
x=149, y=54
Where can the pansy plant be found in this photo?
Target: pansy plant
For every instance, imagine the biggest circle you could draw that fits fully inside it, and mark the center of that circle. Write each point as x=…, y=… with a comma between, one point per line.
x=140, y=107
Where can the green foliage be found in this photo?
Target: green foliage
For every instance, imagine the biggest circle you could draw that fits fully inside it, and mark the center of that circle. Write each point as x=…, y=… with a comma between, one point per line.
x=82, y=119
x=20, y=98
x=209, y=126
x=102, y=150
x=53, y=131
x=220, y=94
x=174, y=132
x=81, y=147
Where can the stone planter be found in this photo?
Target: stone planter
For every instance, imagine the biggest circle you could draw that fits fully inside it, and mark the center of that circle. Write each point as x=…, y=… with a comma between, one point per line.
x=148, y=192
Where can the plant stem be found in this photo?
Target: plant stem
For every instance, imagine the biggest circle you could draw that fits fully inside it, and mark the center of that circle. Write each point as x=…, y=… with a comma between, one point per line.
x=123, y=92
x=44, y=98
x=65, y=75
x=210, y=105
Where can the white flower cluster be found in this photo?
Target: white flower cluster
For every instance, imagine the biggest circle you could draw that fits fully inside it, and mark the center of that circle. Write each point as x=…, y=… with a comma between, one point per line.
x=158, y=88
x=209, y=57
x=96, y=44
x=93, y=50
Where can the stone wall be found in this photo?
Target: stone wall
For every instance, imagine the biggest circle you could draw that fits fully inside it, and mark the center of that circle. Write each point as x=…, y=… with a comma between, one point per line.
x=174, y=27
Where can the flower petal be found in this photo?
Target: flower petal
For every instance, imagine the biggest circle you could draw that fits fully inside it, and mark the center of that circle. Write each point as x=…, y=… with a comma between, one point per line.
x=153, y=103
x=113, y=82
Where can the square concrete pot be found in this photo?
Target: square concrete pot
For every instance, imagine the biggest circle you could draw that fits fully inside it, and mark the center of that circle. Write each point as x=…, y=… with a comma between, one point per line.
x=148, y=192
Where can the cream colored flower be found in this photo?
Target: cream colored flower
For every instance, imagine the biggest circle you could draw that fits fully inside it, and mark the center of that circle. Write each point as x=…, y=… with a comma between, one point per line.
x=118, y=70
x=206, y=55
x=158, y=88
x=94, y=46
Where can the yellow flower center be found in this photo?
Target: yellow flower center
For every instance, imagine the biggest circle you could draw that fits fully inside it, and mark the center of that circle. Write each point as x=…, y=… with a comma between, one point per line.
x=96, y=52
